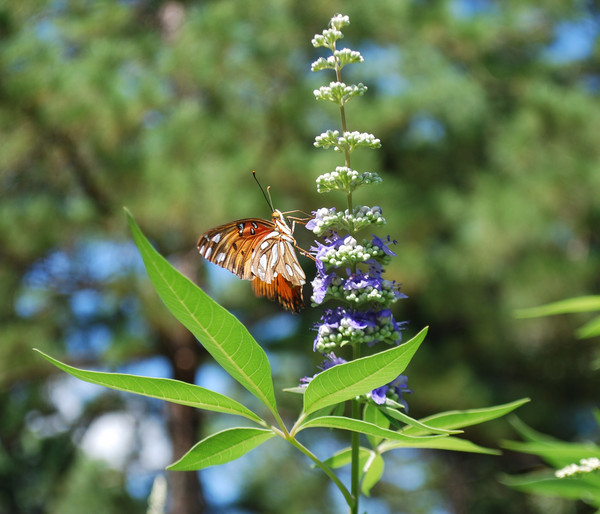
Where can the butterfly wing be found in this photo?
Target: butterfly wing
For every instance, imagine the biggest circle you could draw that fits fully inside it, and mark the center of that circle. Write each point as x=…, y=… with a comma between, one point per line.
x=232, y=245
x=276, y=257
x=261, y=251
x=280, y=290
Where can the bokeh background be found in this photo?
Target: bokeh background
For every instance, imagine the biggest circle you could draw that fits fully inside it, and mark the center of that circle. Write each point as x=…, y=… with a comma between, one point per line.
x=489, y=117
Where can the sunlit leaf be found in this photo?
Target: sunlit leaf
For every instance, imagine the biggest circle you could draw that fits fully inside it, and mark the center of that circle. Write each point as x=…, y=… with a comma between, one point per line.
x=373, y=415
x=373, y=470
x=464, y=418
x=223, y=336
x=405, y=418
x=167, y=389
x=221, y=447
x=356, y=425
x=349, y=380
x=443, y=443
x=344, y=457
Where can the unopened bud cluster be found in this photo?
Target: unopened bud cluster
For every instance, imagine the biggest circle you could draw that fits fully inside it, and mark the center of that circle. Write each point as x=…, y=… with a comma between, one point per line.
x=345, y=221
x=339, y=58
x=345, y=179
x=329, y=36
x=349, y=141
x=339, y=93
x=350, y=253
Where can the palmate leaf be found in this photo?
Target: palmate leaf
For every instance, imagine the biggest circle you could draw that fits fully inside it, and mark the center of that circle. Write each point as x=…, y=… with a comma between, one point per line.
x=346, y=381
x=221, y=447
x=223, y=336
x=167, y=389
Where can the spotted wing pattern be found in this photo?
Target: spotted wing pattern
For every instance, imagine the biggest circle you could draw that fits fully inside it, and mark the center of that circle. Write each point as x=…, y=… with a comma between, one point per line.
x=261, y=251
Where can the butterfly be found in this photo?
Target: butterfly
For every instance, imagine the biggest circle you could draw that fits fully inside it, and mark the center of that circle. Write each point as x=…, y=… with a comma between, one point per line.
x=261, y=251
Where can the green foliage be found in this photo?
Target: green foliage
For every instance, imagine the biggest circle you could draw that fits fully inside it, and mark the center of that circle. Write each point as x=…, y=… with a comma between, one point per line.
x=558, y=454
x=489, y=155
x=216, y=328
x=569, y=306
x=346, y=381
x=161, y=388
x=223, y=336
x=222, y=447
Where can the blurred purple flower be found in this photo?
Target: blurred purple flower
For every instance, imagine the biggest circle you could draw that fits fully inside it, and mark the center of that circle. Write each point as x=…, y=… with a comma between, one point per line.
x=396, y=387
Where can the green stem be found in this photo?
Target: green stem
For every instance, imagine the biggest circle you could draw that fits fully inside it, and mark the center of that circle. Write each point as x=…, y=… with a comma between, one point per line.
x=355, y=471
x=338, y=76
x=350, y=500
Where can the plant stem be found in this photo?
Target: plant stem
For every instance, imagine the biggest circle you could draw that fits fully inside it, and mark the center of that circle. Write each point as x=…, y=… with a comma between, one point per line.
x=350, y=500
x=355, y=471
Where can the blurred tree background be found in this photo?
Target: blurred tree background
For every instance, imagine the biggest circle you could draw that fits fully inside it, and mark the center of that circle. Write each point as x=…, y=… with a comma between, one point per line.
x=489, y=119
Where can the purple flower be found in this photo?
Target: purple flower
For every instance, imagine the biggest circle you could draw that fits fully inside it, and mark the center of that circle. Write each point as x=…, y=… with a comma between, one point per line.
x=395, y=389
x=384, y=245
x=330, y=361
x=319, y=215
x=320, y=284
x=360, y=280
x=379, y=394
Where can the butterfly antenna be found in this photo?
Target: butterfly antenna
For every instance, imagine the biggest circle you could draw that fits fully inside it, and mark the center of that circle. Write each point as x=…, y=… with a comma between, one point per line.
x=267, y=198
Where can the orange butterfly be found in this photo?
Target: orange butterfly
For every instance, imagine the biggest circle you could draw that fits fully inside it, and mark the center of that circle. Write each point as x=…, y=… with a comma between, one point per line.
x=261, y=251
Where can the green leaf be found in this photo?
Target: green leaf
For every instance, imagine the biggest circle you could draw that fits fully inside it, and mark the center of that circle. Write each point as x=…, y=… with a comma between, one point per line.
x=167, y=389
x=373, y=415
x=596, y=413
x=344, y=457
x=571, y=305
x=356, y=425
x=558, y=454
x=373, y=470
x=528, y=433
x=590, y=329
x=405, y=418
x=349, y=380
x=464, y=418
x=221, y=447
x=443, y=443
x=573, y=488
x=223, y=336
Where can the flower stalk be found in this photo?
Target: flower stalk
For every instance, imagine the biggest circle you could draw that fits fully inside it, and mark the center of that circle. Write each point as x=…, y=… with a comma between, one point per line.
x=349, y=272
